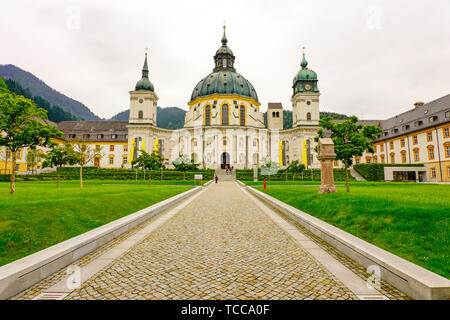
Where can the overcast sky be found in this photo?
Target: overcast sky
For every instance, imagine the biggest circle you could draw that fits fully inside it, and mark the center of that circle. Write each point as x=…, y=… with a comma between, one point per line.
x=373, y=58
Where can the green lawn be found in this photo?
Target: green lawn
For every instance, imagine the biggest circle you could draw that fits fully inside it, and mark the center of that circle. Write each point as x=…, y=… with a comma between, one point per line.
x=409, y=220
x=40, y=215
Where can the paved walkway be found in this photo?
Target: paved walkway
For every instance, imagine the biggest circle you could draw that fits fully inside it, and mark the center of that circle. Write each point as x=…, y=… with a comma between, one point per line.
x=224, y=244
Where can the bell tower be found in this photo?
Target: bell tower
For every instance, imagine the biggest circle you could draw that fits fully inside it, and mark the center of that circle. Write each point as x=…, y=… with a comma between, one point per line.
x=305, y=97
x=143, y=100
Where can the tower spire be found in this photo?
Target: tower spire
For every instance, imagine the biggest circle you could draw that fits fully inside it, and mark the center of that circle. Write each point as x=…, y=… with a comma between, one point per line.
x=224, y=38
x=304, y=63
x=145, y=67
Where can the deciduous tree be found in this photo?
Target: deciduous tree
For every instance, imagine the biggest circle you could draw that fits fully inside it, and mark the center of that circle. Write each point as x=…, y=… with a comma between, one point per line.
x=85, y=153
x=148, y=161
x=350, y=139
x=296, y=167
x=59, y=156
x=22, y=126
x=33, y=158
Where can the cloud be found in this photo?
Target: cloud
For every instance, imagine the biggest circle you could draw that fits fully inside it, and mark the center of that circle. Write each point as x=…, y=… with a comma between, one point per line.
x=373, y=58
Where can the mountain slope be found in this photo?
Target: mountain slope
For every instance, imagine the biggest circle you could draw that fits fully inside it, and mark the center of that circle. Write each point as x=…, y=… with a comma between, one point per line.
x=287, y=117
x=173, y=117
x=38, y=88
x=168, y=118
x=54, y=112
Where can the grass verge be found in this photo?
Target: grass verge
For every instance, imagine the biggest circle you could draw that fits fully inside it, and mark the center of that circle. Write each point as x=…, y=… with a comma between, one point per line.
x=40, y=215
x=409, y=220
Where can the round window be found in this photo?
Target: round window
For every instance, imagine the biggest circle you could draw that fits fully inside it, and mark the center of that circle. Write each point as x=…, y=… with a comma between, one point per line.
x=308, y=102
x=141, y=100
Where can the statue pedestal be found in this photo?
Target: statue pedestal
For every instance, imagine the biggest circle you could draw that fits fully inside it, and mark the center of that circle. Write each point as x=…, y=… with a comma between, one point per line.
x=326, y=155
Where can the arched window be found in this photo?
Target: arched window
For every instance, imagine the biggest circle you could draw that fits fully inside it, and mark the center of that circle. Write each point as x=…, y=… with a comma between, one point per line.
x=308, y=116
x=207, y=115
x=242, y=116
x=273, y=114
x=141, y=115
x=225, y=121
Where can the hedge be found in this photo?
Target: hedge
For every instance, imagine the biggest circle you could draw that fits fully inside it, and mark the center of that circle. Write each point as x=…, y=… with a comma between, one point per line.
x=375, y=171
x=93, y=173
x=286, y=175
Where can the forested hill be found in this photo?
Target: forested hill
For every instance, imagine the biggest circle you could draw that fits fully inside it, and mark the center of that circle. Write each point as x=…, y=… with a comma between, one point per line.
x=54, y=112
x=168, y=118
x=173, y=117
x=287, y=117
x=38, y=88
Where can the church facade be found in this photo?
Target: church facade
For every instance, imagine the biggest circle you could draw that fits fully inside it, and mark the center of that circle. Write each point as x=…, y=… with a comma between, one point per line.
x=224, y=126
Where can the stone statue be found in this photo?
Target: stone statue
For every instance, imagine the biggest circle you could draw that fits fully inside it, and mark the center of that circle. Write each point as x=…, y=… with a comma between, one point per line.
x=326, y=155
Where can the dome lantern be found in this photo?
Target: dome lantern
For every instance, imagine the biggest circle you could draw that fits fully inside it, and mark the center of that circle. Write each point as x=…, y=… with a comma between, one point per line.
x=224, y=57
x=224, y=79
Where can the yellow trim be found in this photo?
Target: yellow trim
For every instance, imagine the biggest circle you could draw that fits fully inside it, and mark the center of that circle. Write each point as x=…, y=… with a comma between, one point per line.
x=229, y=108
x=227, y=97
x=132, y=149
x=94, y=142
x=416, y=151
x=430, y=147
x=435, y=172
x=448, y=171
x=446, y=145
x=304, y=153
x=281, y=153
x=443, y=132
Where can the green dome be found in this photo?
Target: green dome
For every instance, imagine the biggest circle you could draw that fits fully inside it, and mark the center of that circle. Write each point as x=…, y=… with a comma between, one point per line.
x=224, y=50
x=305, y=80
x=305, y=74
x=144, y=84
x=224, y=82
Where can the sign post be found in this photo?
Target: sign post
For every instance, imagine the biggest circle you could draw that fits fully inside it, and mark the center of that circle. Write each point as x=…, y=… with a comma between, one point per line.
x=198, y=177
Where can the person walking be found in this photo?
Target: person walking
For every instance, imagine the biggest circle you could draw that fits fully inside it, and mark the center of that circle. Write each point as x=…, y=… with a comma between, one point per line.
x=264, y=181
x=216, y=178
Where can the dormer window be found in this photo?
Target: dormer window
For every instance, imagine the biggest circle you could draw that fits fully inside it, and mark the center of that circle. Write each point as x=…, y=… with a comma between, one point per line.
x=432, y=119
x=114, y=136
x=99, y=136
x=418, y=123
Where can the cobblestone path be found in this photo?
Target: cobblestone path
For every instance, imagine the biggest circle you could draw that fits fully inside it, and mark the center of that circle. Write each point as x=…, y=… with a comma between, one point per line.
x=220, y=246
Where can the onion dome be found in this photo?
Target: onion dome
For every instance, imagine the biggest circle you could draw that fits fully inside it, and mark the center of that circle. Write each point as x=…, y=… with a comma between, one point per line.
x=224, y=79
x=144, y=84
x=306, y=79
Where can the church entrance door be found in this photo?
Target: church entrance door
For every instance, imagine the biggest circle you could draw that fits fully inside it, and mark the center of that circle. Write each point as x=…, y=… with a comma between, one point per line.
x=225, y=160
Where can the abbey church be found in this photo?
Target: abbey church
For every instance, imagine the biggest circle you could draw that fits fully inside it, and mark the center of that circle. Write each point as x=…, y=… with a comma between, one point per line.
x=224, y=127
